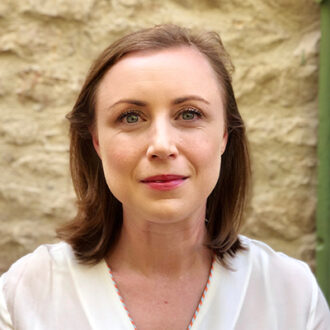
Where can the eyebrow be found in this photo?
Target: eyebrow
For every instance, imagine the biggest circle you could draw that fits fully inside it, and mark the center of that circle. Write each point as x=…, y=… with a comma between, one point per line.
x=188, y=98
x=174, y=102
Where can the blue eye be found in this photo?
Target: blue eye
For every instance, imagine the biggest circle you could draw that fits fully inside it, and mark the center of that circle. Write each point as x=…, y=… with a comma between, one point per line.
x=130, y=117
x=190, y=114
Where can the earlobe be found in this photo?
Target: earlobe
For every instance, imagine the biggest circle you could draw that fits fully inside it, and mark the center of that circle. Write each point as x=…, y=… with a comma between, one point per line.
x=224, y=141
x=95, y=140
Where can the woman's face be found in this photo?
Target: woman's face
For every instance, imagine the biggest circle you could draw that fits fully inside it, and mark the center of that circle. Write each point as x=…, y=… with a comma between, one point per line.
x=160, y=132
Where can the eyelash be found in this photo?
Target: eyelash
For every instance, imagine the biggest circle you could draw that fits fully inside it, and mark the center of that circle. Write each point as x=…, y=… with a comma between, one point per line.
x=191, y=111
x=129, y=112
x=194, y=111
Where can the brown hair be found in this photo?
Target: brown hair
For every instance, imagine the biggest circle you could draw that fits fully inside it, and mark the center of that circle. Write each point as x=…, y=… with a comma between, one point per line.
x=97, y=224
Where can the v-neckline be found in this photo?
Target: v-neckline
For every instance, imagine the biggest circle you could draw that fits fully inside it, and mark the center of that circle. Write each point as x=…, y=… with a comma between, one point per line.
x=197, y=310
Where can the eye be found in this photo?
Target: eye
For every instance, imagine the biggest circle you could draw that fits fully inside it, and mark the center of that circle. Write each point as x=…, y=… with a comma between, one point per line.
x=130, y=117
x=190, y=114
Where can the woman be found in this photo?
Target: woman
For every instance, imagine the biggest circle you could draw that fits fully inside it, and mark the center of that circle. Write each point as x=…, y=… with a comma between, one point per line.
x=155, y=244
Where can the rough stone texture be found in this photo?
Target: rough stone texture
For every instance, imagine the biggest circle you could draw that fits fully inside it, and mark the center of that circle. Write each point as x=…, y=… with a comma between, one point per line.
x=46, y=48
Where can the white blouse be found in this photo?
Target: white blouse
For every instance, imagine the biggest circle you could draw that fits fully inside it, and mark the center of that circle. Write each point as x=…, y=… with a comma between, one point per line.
x=48, y=290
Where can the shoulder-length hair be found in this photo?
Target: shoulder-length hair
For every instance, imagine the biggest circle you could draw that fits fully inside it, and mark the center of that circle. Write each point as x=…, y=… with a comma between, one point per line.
x=95, y=229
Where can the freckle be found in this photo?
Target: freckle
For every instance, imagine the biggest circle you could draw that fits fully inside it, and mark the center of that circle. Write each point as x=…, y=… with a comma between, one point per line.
x=165, y=302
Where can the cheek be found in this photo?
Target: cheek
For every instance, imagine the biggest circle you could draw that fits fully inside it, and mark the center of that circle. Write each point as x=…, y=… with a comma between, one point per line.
x=206, y=148
x=116, y=162
x=119, y=157
x=206, y=158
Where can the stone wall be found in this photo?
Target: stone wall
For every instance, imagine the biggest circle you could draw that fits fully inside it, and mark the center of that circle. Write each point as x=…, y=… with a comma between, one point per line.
x=46, y=47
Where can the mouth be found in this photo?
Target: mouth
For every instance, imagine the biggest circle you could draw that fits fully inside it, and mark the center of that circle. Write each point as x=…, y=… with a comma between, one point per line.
x=164, y=181
x=164, y=178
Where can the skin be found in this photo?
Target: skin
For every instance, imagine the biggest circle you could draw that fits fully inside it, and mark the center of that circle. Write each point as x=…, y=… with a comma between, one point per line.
x=177, y=127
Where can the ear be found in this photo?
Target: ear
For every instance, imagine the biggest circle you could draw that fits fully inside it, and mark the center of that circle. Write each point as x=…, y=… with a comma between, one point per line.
x=95, y=139
x=224, y=141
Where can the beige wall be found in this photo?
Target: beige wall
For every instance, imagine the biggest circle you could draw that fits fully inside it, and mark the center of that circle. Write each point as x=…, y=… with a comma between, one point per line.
x=46, y=47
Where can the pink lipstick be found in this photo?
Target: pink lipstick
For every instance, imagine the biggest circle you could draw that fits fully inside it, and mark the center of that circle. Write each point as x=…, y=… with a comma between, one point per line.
x=164, y=181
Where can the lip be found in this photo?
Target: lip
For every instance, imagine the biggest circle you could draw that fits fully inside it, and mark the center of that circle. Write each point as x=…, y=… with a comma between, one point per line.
x=164, y=181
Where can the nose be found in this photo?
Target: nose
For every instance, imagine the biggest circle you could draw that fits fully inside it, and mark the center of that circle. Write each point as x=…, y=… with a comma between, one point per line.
x=162, y=141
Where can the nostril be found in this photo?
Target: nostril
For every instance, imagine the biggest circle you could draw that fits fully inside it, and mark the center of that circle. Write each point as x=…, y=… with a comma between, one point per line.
x=157, y=151
x=162, y=156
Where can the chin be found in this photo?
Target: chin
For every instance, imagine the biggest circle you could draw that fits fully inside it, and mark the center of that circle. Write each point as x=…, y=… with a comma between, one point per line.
x=166, y=211
x=172, y=211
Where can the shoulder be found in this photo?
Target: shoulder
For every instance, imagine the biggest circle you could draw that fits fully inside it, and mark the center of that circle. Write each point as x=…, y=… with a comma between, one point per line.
x=40, y=260
x=47, y=282
x=283, y=279
x=286, y=283
x=262, y=256
x=271, y=288
x=26, y=274
x=278, y=268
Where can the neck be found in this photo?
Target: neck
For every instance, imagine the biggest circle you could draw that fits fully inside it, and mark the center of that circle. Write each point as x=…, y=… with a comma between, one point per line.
x=161, y=248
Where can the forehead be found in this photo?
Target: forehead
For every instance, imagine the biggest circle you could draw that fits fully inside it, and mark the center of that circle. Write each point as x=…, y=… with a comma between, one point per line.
x=183, y=69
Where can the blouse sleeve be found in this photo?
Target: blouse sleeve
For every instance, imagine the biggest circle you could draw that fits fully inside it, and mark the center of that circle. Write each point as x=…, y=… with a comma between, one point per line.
x=5, y=319
x=319, y=316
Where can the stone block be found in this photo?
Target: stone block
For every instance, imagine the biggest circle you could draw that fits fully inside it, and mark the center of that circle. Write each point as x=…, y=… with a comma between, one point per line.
x=74, y=9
